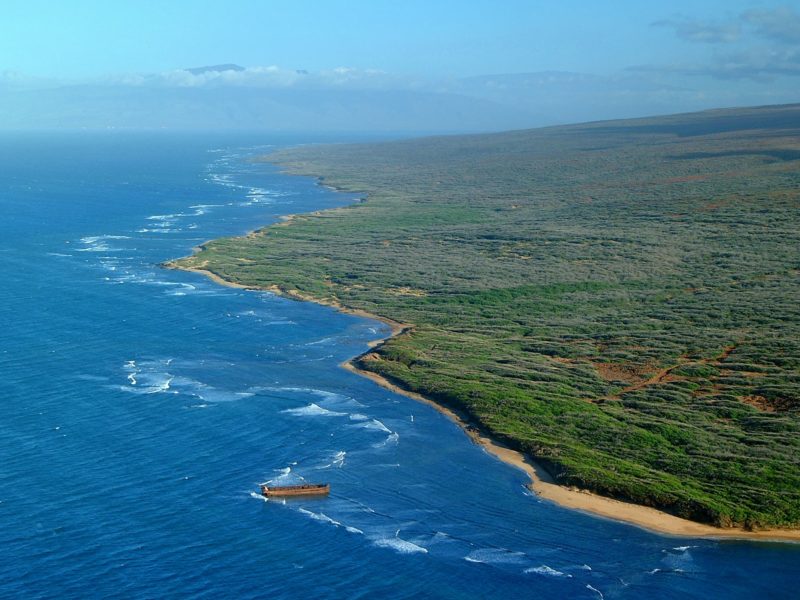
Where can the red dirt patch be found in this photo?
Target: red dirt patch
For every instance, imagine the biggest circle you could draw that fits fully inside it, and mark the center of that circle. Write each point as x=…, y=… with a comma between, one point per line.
x=758, y=402
x=768, y=405
x=624, y=372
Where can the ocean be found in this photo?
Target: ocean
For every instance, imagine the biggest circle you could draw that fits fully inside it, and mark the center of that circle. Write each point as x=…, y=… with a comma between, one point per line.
x=140, y=408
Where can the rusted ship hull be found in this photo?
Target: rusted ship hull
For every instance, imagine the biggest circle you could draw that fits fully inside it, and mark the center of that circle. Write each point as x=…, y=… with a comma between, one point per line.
x=308, y=489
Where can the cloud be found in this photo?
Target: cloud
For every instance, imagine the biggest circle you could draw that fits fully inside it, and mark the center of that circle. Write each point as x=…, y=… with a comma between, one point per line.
x=693, y=30
x=765, y=42
x=270, y=77
x=762, y=64
x=779, y=24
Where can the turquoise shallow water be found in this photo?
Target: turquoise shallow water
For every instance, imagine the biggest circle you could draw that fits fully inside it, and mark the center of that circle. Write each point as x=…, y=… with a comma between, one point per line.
x=140, y=408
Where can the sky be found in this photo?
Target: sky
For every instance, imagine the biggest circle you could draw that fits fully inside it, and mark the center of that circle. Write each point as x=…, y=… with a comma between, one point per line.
x=428, y=38
x=724, y=52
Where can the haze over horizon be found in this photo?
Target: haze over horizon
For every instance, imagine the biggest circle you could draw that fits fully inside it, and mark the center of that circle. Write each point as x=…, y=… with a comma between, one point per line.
x=376, y=66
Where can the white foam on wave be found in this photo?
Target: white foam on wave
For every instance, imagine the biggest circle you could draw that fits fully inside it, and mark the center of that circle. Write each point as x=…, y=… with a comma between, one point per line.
x=358, y=417
x=595, y=590
x=373, y=425
x=147, y=378
x=495, y=556
x=285, y=476
x=322, y=517
x=152, y=377
x=259, y=497
x=354, y=530
x=338, y=458
x=99, y=247
x=157, y=230
x=400, y=545
x=547, y=571
x=99, y=243
x=321, y=342
x=324, y=394
x=392, y=438
x=312, y=410
x=160, y=386
x=96, y=238
x=683, y=548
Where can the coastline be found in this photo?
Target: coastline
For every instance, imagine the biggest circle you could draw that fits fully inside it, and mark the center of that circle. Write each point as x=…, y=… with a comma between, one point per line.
x=541, y=483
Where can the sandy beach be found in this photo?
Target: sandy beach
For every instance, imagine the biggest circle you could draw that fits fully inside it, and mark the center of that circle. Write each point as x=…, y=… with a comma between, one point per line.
x=541, y=483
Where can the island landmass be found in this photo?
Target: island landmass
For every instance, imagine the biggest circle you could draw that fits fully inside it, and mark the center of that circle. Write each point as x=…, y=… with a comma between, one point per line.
x=611, y=306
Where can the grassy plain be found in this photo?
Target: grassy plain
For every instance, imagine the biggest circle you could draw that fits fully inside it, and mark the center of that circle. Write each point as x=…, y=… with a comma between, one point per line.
x=620, y=300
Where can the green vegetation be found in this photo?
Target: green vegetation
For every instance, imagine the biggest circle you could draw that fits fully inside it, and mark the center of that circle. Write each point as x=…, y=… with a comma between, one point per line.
x=621, y=300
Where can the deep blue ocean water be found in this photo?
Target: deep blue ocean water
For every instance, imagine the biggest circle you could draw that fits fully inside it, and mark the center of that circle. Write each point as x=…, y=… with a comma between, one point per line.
x=140, y=408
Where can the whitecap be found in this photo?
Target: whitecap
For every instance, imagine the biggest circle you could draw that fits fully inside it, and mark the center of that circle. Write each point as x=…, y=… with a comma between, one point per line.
x=322, y=517
x=392, y=438
x=96, y=238
x=495, y=556
x=372, y=424
x=321, y=393
x=545, y=570
x=354, y=530
x=358, y=417
x=312, y=410
x=400, y=545
x=171, y=217
x=595, y=590
x=162, y=386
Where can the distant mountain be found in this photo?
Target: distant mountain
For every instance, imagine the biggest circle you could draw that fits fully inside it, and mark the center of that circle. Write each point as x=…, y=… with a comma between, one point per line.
x=239, y=107
x=214, y=69
x=229, y=96
x=567, y=97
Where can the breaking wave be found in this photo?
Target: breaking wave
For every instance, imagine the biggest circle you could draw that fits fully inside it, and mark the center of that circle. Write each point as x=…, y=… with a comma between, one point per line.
x=312, y=410
x=548, y=571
